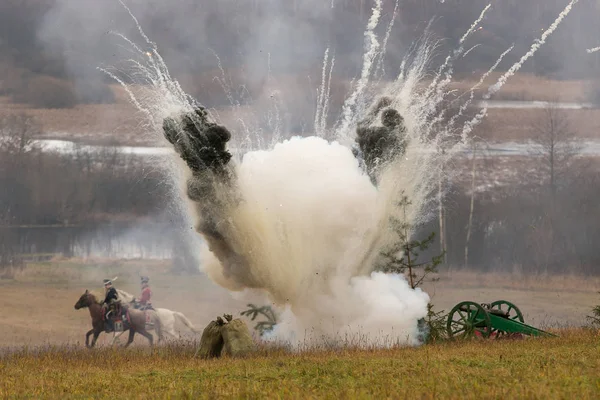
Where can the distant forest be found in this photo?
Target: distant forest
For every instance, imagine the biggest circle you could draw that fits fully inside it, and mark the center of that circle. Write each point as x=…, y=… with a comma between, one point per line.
x=49, y=49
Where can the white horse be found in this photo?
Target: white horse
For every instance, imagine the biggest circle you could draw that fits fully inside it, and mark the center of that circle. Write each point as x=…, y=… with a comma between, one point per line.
x=167, y=317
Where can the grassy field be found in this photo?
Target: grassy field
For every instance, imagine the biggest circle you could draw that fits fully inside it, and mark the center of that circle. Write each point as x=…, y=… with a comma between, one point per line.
x=565, y=367
x=524, y=86
x=42, y=353
x=37, y=302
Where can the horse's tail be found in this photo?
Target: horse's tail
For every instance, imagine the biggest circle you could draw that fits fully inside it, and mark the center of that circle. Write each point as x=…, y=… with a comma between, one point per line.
x=185, y=321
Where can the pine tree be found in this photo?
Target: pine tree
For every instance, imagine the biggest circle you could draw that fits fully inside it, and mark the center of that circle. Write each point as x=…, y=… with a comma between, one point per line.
x=262, y=326
x=402, y=258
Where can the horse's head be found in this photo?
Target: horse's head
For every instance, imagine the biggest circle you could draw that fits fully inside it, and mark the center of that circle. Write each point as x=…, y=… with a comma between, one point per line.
x=85, y=300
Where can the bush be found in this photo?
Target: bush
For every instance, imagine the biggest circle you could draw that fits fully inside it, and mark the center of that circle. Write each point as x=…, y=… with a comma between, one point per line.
x=9, y=251
x=595, y=317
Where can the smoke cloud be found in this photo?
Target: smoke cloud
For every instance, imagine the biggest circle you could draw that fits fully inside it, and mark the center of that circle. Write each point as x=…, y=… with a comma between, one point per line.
x=304, y=232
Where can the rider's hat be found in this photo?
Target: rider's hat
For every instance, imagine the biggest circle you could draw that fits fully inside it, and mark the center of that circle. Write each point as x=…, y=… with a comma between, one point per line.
x=145, y=279
x=107, y=282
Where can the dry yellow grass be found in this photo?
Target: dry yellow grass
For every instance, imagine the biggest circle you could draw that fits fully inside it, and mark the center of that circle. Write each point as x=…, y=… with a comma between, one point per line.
x=121, y=123
x=557, y=368
x=37, y=310
x=523, y=86
x=518, y=124
x=517, y=280
x=37, y=303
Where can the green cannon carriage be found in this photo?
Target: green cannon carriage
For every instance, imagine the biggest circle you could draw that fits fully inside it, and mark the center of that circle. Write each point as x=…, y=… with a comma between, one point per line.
x=500, y=318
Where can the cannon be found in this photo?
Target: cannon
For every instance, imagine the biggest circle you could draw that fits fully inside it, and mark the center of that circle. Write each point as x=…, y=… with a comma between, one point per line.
x=494, y=320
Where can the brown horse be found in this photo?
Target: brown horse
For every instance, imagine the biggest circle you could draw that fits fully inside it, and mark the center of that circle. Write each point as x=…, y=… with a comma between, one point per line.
x=137, y=320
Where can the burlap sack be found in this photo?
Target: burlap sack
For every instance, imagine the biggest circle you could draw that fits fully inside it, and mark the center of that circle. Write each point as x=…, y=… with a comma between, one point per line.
x=211, y=342
x=237, y=338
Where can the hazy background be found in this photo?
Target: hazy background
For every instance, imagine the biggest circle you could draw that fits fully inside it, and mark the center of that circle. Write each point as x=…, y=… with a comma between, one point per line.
x=535, y=211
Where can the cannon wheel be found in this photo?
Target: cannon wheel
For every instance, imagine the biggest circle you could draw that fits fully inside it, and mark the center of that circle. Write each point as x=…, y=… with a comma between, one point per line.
x=468, y=319
x=509, y=308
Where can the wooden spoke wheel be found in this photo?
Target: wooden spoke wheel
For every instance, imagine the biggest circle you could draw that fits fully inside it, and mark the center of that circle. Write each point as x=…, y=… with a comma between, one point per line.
x=506, y=308
x=468, y=319
x=509, y=308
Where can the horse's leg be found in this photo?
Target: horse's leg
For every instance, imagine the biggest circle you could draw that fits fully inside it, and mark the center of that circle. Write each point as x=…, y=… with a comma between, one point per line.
x=116, y=337
x=167, y=321
x=173, y=334
x=130, y=340
x=158, y=330
x=148, y=336
x=96, y=334
x=87, y=337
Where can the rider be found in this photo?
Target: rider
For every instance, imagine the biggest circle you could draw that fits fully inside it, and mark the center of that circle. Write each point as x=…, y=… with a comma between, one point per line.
x=110, y=299
x=144, y=302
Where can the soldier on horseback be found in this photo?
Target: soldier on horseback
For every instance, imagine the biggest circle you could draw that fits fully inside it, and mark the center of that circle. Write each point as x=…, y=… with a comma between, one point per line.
x=111, y=302
x=144, y=302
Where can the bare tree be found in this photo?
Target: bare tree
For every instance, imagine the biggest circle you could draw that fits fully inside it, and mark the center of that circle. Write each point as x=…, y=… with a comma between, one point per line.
x=472, y=204
x=442, y=215
x=17, y=134
x=557, y=146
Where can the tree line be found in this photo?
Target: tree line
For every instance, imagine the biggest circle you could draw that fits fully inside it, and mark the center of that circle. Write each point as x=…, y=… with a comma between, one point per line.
x=35, y=73
x=75, y=194
x=44, y=187
x=536, y=213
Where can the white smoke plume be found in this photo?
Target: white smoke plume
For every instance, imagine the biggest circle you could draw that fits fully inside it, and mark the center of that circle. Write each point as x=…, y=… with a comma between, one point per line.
x=469, y=125
x=378, y=311
x=349, y=110
x=534, y=48
x=595, y=49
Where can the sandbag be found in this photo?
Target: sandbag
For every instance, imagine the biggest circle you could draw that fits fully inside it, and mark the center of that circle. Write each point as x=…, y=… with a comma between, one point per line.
x=237, y=338
x=211, y=342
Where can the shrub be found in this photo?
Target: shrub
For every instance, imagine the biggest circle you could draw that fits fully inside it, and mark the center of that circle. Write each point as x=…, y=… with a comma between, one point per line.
x=595, y=317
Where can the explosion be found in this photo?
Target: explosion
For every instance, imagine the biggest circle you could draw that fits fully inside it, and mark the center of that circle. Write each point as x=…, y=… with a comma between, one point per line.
x=299, y=222
x=304, y=220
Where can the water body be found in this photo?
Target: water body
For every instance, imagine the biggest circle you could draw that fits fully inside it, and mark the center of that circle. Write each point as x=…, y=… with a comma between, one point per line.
x=587, y=148
x=491, y=149
x=70, y=147
x=514, y=104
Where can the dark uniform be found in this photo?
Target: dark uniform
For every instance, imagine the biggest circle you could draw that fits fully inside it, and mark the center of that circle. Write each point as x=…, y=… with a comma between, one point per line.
x=111, y=295
x=110, y=300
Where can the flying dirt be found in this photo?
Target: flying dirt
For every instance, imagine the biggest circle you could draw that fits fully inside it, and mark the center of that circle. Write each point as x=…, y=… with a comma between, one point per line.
x=304, y=220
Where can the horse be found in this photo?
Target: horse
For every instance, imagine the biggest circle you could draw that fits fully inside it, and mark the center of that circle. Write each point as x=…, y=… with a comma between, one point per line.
x=167, y=317
x=137, y=321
